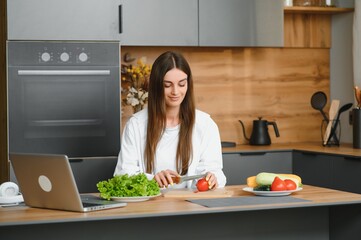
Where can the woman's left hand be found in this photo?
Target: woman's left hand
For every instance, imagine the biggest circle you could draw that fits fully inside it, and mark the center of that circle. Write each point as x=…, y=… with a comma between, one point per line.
x=212, y=180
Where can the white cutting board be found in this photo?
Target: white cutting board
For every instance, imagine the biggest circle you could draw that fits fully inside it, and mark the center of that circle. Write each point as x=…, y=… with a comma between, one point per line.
x=189, y=193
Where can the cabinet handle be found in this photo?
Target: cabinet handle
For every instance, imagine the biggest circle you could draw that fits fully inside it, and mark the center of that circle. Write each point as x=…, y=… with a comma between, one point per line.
x=75, y=160
x=352, y=158
x=120, y=19
x=75, y=72
x=252, y=153
x=309, y=153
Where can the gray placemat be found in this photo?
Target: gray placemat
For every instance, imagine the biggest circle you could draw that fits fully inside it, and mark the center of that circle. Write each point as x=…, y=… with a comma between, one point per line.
x=244, y=201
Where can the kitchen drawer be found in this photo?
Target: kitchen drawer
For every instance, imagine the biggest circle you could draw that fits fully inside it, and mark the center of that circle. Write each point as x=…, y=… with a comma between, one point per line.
x=238, y=166
x=314, y=169
x=346, y=173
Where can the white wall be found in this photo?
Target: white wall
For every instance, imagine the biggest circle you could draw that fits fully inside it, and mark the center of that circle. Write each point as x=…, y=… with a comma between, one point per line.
x=341, y=65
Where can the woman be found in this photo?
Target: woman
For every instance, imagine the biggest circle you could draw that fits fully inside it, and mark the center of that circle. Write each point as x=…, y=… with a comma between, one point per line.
x=171, y=138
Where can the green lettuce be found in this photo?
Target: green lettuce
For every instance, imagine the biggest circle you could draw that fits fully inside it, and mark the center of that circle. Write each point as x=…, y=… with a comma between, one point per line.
x=128, y=186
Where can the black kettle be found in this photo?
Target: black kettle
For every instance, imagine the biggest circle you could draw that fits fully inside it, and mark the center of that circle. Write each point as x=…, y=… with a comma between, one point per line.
x=260, y=134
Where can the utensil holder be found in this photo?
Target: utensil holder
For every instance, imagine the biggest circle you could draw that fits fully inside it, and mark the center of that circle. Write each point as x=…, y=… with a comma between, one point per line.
x=334, y=138
x=356, y=127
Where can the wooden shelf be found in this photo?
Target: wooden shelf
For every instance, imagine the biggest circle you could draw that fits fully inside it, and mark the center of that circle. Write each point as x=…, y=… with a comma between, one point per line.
x=317, y=10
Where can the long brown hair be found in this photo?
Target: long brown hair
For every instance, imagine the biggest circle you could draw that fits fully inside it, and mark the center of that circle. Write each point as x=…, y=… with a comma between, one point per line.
x=157, y=111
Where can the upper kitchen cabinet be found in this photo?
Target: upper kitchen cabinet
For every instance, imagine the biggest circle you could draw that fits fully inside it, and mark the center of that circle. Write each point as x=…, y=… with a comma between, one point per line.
x=246, y=23
x=64, y=19
x=160, y=23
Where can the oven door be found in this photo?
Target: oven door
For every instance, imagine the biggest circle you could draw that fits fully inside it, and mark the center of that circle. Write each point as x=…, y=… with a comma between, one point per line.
x=71, y=111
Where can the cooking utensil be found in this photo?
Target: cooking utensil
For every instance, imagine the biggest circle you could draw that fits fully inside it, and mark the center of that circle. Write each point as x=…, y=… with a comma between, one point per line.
x=356, y=128
x=331, y=116
x=260, y=134
x=181, y=179
x=318, y=102
x=333, y=130
x=358, y=96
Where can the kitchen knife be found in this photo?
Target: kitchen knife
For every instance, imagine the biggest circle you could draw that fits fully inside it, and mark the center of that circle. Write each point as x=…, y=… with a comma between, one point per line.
x=331, y=116
x=181, y=179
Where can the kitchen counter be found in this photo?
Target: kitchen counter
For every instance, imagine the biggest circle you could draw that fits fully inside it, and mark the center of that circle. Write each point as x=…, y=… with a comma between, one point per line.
x=320, y=214
x=343, y=149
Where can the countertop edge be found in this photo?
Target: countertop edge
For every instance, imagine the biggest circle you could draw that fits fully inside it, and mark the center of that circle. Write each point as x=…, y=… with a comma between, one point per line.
x=336, y=198
x=312, y=147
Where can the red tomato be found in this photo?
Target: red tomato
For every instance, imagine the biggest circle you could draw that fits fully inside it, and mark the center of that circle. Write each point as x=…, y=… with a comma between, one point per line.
x=202, y=185
x=290, y=185
x=278, y=185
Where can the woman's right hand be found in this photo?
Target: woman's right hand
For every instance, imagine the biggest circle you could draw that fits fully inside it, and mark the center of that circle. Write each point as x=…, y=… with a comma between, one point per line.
x=164, y=178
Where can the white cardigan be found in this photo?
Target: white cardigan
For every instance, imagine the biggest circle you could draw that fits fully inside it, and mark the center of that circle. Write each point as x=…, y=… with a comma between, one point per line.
x=207, y=150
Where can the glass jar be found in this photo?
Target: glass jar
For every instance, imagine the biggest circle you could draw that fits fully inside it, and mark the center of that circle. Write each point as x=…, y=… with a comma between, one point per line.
x=288, y=3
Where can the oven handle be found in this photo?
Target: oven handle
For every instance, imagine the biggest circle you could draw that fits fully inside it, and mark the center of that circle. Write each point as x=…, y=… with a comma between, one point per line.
x=57, y=123
x=64, y=72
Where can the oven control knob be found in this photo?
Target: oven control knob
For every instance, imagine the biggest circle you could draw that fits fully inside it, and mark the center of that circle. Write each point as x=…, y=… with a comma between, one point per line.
x=45, y=57
x=64, y=57
x=83, y=57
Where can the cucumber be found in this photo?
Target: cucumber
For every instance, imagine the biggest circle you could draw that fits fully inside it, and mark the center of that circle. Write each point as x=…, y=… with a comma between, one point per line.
x=265, y=178
x=262, y=188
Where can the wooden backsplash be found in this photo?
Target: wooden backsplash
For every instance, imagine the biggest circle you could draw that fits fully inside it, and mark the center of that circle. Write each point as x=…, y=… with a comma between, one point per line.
x=247, y=83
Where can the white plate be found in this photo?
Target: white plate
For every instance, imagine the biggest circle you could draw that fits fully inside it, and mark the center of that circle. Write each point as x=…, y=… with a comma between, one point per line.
x=271, y=193
x=134, y=199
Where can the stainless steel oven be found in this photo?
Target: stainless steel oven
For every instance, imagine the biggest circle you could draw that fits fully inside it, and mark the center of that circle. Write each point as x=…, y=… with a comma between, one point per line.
x=63, y=97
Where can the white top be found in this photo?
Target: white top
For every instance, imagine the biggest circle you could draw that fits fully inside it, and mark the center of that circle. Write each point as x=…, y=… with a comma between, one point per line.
x=207, y=150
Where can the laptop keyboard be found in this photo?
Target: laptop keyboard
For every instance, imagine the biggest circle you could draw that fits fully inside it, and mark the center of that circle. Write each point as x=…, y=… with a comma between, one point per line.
x=91, y=201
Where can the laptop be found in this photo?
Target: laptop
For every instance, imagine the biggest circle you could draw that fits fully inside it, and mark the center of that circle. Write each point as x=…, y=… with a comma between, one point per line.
x=47, y=181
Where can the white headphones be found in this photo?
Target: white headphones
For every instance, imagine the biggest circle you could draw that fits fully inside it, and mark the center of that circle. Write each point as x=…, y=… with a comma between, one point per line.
x=9, y=193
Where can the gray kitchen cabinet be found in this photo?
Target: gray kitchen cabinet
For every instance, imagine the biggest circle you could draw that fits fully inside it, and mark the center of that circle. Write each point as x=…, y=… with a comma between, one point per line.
x=318, y=169
x=314, y=168
x=346, y=173
x=239, y=166
x=63, y=20
x=245, y=23
x=160, y=23
x=202, y=23
x=328, y=170
x=89, y=171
